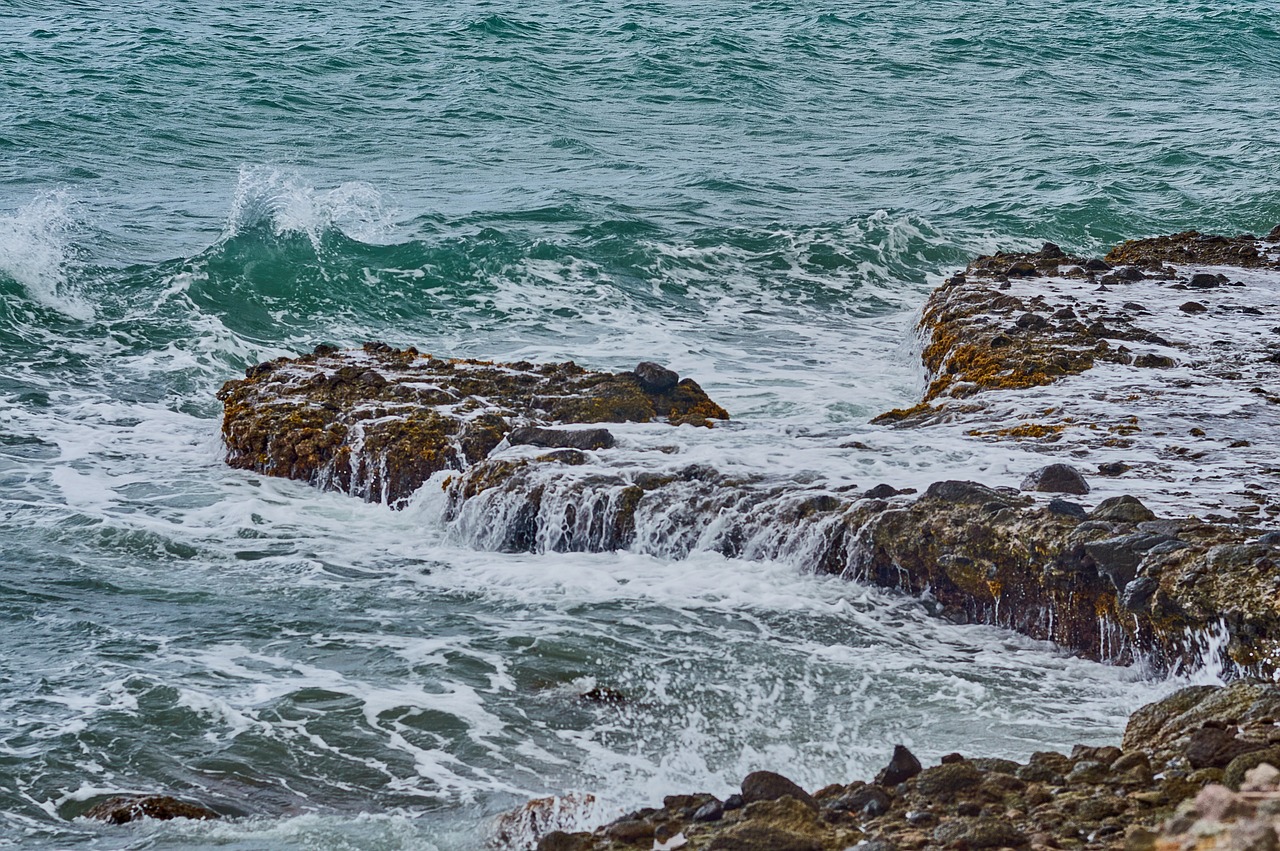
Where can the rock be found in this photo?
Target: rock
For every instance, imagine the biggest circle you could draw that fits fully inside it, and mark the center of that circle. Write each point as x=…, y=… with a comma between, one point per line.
x=1150, y=361
x=378, y=422
x=654, y=378
x=734, y=802
x=1206, y=281
x=710, y=811
x=946, y=781
x=1113, y=468
x=1234, y=775
x=979, y=833
x=1138, y=593
x=1067, y=509
x=558, y=840
x=962, y=491
x=881, y=491
x=901, y=768
x=762, y=837
x=126, y=808
x=1193, y=307
x=770, y=786
x=1122, y=509
x=630, y=830
x=1118, y=558
x=870, y=801
x=555, y=438
x=1056, y=478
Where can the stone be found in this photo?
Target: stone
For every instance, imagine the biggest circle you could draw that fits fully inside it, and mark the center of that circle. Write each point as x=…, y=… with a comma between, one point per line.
x=558, y=840
x=1205, y=281
x=655, y=378
x=901, y=768
x=126, y=808
x=1137, y=594
x=557, y=438
x=1056, y=478
x=630, y=830
x=1118, y=558
x=1234, y=774
x=762, y=837
x=1113, y=468
x=881, y=491
x=770, y=786
x=1122, y=509
x=963, y=491
x=1150, y=361
x=871, y=801
x=945, y=781
x=1067, y=509
x=979, y=833
x=710, y=811
x=1193, y=307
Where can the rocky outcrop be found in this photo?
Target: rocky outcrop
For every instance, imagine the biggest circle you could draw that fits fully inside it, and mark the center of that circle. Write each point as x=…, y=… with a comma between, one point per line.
x=126, y=808
x=379, y=422
x=1096, y=797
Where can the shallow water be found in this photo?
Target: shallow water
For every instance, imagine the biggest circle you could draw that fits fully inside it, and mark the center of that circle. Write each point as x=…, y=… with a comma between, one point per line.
x=758, y=195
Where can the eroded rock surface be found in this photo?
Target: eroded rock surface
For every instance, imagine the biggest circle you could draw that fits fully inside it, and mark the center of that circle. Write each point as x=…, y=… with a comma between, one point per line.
x=380, y=421
x=126, y=808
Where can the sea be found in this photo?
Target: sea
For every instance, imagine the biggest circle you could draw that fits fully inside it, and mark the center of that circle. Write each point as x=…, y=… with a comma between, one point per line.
x=758, y=194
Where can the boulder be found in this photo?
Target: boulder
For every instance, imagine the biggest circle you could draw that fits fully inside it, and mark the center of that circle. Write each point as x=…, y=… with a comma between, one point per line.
x=126, y=808
x=770, y=786
x=1056, y=478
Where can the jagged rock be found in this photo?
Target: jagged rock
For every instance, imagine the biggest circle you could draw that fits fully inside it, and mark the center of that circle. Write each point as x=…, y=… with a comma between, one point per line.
x=770, y=786
x=558, y=840
x=902, y=767
x=979, y=833
x=127, y=808
x=556, y=438
x=378, y=422
x=1056, y=478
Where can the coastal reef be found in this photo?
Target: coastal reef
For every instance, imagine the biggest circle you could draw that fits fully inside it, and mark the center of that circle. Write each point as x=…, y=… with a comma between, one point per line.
x=1203, y=741
x=379, y=421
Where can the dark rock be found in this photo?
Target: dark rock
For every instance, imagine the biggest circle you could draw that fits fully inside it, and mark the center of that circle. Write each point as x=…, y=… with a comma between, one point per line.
x=1113, y=468
x=630, y=830
x=1032, y=322
x=1122, y=509
x=1056, y=478
x=734, y=802
x=963, y=491
x=1205, y=281
x=1093, y=264
x=1129, y=273
x=1049, y=251
x=1088, y=772
x=1118, y=558
x=901, y=768
x=1150, y=361
x=655, y=378
x=881, y=491
x=1138, y=593
x=127, y=808
x=770, y=786
x=1193, y=307
x=1213, y=747
x=870, y=801
x=555, y=438
x=979, y=833
x=604, y=696
x=1067, y=509
x=710, y=811
x=1022, y=269
x=994, y=764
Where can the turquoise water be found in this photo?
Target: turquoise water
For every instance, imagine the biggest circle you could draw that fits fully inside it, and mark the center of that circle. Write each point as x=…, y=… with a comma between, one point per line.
x=758, y=194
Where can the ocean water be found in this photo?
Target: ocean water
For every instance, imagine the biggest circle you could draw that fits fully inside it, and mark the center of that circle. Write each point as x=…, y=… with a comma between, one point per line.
x=758, y=194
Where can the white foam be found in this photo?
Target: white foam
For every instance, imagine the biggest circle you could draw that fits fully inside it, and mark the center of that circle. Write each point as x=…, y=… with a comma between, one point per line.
x=36, y=249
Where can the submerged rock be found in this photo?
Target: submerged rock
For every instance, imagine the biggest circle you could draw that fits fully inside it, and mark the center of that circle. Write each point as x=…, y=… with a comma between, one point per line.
x=126, y=808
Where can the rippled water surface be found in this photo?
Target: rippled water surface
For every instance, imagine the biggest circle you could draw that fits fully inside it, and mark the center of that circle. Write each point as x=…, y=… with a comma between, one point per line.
x=758, y=194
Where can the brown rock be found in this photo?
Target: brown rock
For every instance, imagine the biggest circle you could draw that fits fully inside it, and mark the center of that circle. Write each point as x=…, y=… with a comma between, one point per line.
x=770, y=786
x=127, y=808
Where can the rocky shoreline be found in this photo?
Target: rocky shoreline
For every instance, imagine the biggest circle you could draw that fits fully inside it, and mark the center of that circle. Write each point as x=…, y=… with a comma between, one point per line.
x=526, y=465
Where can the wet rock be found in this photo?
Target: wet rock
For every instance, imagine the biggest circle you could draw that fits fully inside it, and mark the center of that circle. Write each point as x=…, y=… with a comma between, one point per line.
x=1137, y=594
x=901, y=768
x=1118, y=558
x=734, y=802
x=1056, y=478
x=762, y=837
x=963, y=491
x=1113, y=468
x=655, y=378
x=1067, y=509
x=1150, y=361
x=630, y=830
x=1206, y=281
x=126, y=808
x=881, y=491
x=378, y=422
x=1234, y=774
x=556, y=438
x=1193, y=307
x=1122, y=509
x=770, y=786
